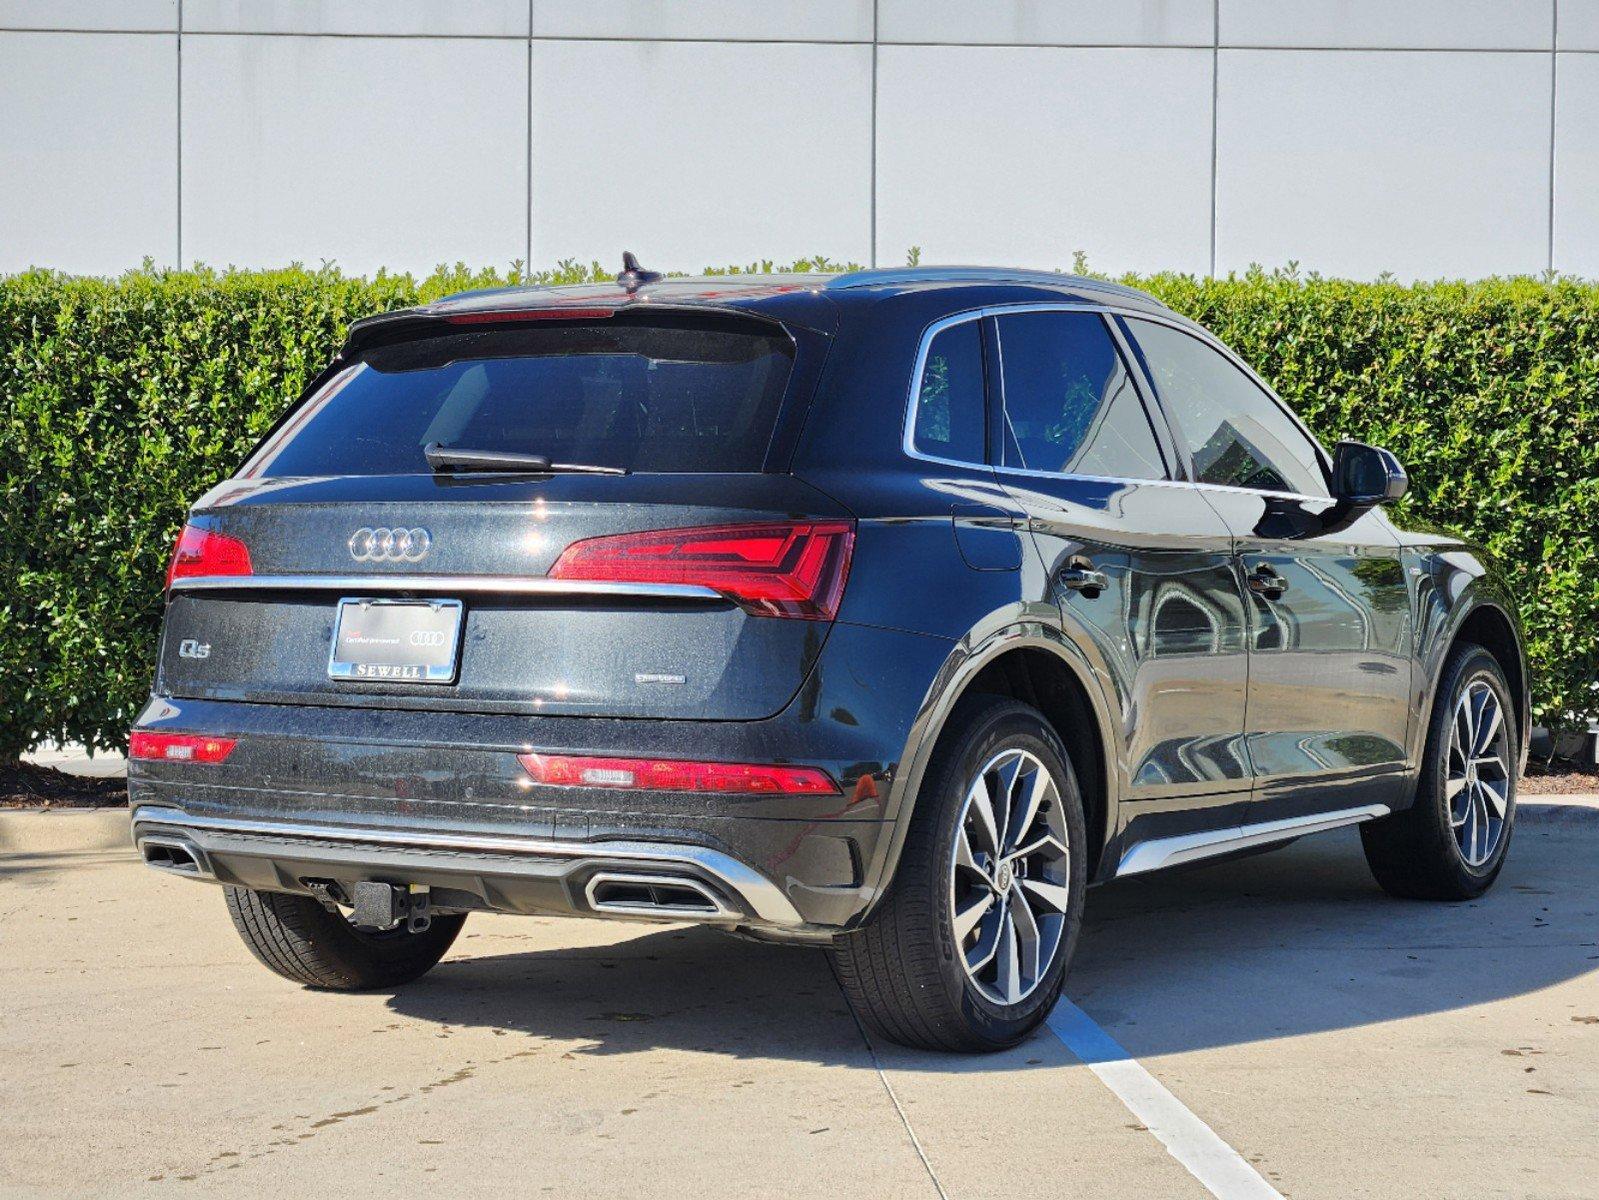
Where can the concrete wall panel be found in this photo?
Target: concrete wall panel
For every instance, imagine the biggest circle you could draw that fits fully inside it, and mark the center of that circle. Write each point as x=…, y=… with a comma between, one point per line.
x=1577, y=166
x=1056, y=23
x=1391, y=24
x=372, y=152
x=694, y=154
x=1579, y=25
x=1115, y=163
x=1423, y=164
x=88, y=150
x=727, y=20
x=124, y=15
x=484, y=18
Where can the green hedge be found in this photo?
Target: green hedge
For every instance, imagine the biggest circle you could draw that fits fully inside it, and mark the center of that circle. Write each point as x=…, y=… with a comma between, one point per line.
x=1489, y=394
x=124, y=400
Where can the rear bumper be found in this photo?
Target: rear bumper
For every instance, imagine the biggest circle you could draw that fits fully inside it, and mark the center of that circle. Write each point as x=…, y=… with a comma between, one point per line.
x=520, y=874
x=439, y=798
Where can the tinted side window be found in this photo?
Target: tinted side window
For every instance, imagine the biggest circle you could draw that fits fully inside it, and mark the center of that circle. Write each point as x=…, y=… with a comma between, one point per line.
x=1237, y=434
x=949, y=398
x=1070, y=405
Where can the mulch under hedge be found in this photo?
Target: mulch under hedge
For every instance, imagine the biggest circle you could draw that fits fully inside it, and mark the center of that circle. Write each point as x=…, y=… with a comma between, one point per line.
x=24, y=785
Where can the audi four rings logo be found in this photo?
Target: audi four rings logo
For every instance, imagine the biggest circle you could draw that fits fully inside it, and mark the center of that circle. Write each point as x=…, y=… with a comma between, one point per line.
x=390, y=545
x=427, y=637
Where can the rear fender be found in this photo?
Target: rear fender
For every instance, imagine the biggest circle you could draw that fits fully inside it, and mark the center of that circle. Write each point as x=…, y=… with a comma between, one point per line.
x=970, y=655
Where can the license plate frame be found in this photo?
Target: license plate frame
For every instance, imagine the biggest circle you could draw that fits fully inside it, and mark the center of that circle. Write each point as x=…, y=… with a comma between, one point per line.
x=396, y=657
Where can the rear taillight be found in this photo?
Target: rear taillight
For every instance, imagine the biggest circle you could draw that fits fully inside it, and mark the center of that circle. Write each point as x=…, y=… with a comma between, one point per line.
x=773, y=570
x=178, y=747
x=676, y=775
x=205, y=552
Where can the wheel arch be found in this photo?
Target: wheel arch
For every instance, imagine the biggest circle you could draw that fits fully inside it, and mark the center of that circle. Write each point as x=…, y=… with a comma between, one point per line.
x=1040, y=678
x=1036, y=663
x=1486, y=622
x=1490, y=626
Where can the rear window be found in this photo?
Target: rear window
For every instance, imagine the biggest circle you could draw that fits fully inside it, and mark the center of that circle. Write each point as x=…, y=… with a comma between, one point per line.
x=678, y=394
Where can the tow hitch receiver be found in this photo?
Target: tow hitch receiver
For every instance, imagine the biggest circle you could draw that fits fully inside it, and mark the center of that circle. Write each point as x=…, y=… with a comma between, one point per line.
x=384, y=905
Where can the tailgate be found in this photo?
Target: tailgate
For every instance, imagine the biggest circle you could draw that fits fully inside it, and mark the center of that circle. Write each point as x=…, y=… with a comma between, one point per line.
x=525, y=643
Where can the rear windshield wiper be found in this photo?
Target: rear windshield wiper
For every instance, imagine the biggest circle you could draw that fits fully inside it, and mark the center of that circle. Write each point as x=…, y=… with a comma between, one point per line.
x=446, y=458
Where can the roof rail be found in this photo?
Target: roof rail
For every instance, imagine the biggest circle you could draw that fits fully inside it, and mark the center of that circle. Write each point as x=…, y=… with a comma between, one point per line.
x=884, y=276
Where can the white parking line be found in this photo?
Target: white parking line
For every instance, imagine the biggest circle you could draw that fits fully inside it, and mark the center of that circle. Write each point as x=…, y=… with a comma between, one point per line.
x=1189, y=1140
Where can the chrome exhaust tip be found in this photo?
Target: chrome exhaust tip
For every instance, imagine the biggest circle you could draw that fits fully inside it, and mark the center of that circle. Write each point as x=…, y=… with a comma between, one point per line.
x=668, y=897
x=175, y=856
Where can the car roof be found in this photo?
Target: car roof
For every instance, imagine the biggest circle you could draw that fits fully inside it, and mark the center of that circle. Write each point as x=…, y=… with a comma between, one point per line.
x=809, y=298
x=897, y=278
x=744, y=288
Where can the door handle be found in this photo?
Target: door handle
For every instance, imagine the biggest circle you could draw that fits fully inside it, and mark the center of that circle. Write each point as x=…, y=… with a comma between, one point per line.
x=1080, y=576
x=1264, y=581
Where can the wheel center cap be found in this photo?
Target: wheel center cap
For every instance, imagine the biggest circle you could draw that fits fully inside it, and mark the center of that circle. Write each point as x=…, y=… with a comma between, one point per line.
x=1002, y=877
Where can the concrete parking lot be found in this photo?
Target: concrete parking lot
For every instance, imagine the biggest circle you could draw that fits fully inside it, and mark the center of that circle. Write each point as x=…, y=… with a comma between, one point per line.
x=1344, y=1044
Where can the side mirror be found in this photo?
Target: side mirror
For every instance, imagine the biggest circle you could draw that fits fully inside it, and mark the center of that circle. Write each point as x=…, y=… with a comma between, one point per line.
x=1366, y=476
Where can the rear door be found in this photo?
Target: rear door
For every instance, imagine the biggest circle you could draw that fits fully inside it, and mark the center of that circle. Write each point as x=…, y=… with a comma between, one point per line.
x=1142, y=568
x=566, y=604
x=1329, y=610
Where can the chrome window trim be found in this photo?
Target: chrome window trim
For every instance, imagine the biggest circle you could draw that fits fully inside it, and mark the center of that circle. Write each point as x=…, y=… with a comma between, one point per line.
x=462, y=584
x=908, y=438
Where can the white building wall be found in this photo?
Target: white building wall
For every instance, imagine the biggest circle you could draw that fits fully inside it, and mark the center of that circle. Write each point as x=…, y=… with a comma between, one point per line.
x=1423, y=137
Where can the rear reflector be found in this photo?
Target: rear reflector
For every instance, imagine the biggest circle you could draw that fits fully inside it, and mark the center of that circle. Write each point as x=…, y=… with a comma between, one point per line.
x=778, y=570
x=179, y=747
x=205, y=552
x=676, y=775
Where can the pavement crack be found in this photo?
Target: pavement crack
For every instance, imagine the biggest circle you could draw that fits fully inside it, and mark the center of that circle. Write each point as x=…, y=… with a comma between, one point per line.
x=882, y=1077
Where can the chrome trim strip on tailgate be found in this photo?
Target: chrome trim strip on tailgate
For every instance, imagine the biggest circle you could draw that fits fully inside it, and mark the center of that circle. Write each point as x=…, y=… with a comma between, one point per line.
x=1189, y=847
x=453, y=584
x=762, y=895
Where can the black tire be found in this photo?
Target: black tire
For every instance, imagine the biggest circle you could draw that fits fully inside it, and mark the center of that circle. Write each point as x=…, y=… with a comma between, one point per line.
x=1415, y=853
x=900, y=970
x=301, y=940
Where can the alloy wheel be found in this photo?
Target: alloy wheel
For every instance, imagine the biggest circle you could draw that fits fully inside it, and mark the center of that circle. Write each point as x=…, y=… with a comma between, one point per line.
x=1010, y=877
x=1477, y=785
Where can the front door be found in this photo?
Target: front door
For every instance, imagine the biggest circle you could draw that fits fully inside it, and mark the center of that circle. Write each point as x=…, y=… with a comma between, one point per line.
x=1141, y=567
x=1329, y=610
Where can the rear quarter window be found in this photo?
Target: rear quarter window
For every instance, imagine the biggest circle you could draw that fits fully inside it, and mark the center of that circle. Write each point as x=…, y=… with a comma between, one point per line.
x=676, y=394
x=950, y=409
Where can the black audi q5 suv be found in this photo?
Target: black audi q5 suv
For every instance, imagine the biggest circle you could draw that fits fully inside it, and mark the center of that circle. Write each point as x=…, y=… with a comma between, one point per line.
x=883, y=612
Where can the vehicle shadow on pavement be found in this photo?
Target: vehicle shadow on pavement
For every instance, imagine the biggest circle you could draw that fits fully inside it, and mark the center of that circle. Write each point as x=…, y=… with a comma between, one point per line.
x=687, y=989
x=46, y=866
x=1303, y=941
x=1297, y=941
